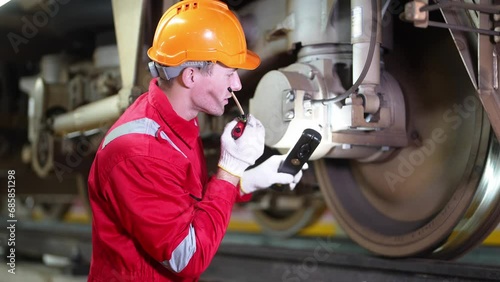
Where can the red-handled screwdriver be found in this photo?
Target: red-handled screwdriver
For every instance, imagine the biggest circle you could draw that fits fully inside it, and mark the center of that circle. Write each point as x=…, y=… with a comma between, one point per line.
x=242, y=119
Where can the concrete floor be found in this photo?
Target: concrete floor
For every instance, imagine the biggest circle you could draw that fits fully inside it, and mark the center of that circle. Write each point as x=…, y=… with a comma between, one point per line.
x=35, y=271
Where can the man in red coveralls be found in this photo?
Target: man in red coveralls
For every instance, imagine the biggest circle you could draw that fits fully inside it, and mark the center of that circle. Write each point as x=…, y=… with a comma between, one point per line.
x=156, y=214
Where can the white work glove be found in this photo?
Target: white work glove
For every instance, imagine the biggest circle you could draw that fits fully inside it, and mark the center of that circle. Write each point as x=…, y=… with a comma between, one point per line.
x=237, y=155
x=266, y=174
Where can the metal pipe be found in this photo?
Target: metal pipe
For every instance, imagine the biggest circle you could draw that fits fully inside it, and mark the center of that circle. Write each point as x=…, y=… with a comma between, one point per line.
x=88, y=116
x=361, y=12
x=127, y=17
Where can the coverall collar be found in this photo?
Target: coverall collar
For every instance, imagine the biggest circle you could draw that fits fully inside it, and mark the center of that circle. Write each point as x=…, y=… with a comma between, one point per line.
x=187, y=131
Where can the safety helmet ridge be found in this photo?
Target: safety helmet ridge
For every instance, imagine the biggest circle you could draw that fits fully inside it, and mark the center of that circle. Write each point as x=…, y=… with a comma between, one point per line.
x=201, y=30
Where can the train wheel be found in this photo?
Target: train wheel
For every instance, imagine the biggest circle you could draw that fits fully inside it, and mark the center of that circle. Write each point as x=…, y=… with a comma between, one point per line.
x=437, y=197
x=289, y=218
x=434, y=217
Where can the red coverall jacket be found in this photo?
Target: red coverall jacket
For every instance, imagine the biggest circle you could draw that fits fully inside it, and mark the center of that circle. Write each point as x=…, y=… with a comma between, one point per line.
x=156, y=215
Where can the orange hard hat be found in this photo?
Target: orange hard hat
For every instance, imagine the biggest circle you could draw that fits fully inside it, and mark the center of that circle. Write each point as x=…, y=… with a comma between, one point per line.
x=201, y=30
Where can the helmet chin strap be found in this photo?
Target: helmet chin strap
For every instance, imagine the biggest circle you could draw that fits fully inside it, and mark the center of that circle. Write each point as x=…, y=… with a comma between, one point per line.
x=168, y=73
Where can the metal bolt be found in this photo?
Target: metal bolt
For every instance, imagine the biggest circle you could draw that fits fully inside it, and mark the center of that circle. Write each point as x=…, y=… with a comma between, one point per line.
x=385, y=148
x=308, y=107
x=290, y=114
x=369, y=118
x=312, y=74
x=346, y=146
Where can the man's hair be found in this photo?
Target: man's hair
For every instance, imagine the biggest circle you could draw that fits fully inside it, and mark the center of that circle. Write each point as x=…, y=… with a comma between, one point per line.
x=205, y=70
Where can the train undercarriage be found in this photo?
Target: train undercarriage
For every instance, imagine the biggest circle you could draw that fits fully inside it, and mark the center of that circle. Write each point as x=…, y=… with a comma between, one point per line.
x=409, y=114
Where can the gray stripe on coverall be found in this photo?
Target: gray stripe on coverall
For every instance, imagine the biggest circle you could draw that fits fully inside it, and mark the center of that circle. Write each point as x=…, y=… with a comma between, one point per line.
x=186, y=249
x=139, y=126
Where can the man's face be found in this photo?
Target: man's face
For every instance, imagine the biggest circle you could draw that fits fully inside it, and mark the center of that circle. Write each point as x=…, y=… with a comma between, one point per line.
x=211, y=94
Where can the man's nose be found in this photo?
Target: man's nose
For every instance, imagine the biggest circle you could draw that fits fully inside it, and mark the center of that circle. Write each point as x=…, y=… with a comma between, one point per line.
x=236, y=82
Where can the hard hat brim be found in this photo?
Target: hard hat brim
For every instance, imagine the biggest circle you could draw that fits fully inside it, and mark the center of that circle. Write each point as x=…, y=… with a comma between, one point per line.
x=251, y=63
x=252, y=60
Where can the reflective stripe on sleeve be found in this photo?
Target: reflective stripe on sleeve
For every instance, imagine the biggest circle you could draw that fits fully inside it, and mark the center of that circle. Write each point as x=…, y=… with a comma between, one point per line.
x=139, y=126
x=164, y=136
x=183, y=253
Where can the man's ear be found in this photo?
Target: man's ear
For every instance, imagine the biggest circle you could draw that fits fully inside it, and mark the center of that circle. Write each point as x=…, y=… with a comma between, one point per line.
x=188, y=77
